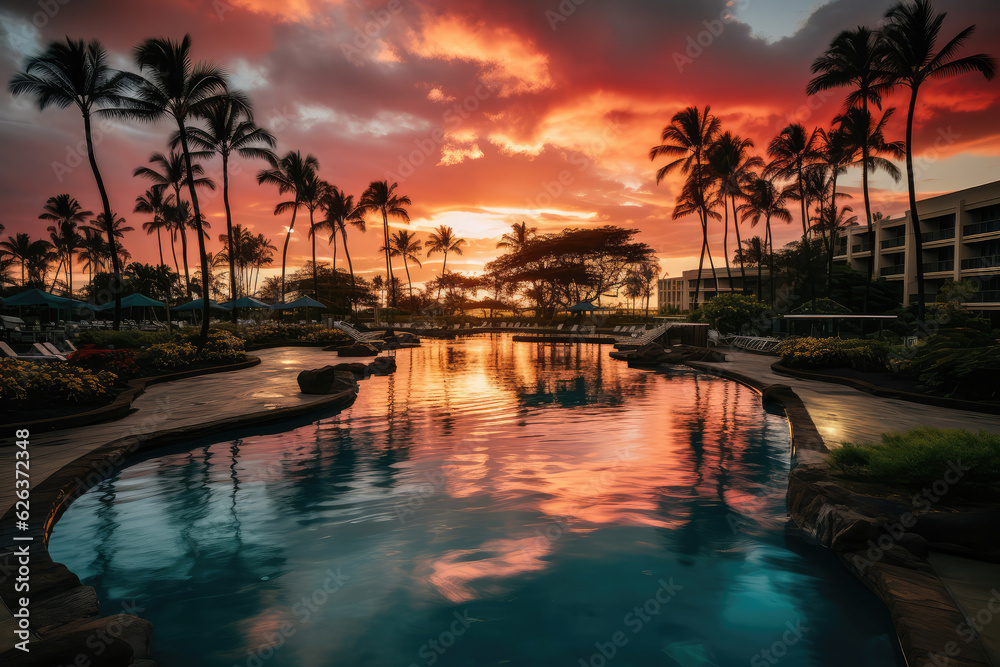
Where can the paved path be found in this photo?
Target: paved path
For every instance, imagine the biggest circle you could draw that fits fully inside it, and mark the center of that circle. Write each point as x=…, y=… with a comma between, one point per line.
x=843, y=414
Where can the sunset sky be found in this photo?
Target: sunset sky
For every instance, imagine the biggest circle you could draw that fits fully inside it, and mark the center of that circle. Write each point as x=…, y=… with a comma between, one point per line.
x=487, y=113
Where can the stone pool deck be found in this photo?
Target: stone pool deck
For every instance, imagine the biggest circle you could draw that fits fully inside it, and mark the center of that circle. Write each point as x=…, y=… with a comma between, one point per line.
x=188, y=403
x=843, y=414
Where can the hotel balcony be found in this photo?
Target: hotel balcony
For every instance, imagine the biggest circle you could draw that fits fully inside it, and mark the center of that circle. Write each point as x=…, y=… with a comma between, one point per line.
x=989, y=262
x=896, y=270
x=987, y=227
x=898, y=242
x=990, y=296
x=938, y=236
x=939, y=267
x=864, y=246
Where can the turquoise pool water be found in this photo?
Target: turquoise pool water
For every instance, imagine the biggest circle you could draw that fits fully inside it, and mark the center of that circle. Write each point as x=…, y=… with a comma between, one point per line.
x=492, y=503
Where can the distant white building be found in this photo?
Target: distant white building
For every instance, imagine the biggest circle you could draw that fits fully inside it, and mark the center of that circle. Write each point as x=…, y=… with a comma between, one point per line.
x=680, y=292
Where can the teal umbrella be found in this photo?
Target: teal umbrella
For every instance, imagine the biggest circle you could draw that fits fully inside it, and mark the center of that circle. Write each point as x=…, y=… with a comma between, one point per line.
x=198, y=304
x=304, y=302
x=135, y=301
x=246, y=302
x=582, y=307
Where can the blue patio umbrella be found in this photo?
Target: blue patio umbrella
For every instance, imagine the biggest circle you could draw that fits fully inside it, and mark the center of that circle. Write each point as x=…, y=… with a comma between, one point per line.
x=582, y=307
x=135, y=301
x=37, y=297
x=198, y=304
x=246, y=302
x=304, y=302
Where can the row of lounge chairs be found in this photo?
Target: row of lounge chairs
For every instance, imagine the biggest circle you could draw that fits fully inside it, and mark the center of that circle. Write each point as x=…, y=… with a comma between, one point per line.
x=44, y=351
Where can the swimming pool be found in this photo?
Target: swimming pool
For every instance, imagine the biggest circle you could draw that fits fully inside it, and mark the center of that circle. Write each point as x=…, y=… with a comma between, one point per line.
x=491, y=503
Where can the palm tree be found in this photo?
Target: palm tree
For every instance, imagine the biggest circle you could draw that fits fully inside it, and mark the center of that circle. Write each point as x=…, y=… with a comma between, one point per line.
x=687, y=140
x=177, y=87
x=291, y=174
x=764, y=200
x=382, y=197
x=173, y=174
x=405, y=244
x=313, y=195
x=731, y=162
x=518, y=237
x=864, y=133
x=753, y=252
x=74, y=72
x=67, y=213
x=791, y=153
x=856, y=59
x=38, y=259
x=444, y=240
x=828, y=221
x=341, y=212
x=152, y=202
x=118, y=229
x=23, y=250
x=93, y=251
x=910, y=60
x=230, y=127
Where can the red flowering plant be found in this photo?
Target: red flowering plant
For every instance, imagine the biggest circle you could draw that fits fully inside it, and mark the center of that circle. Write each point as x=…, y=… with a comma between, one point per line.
x=120, y=362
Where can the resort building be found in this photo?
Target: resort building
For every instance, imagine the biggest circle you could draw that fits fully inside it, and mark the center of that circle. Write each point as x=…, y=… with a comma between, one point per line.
x=680, y=292
x=961, y=240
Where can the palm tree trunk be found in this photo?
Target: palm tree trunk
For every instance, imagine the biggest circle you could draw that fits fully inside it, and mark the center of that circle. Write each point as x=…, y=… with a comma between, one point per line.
x=184, y=258
x=390, y=285
x=284, y=250
x=725, y=242
x=173, y=251
x=229, y=228
x=918, y=241
x=868, y=215
x=701, y=262
x=109, y=221
x=410, y=282
x=739, y=244
x=770, y=256
x=354, y=294
x=205, y=277
x=312, y=228
x=159, y=245
x=55, y=278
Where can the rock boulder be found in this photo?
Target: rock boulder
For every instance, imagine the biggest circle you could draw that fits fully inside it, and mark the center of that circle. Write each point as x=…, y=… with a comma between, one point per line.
x=326, y=380
x=357, y=350
x=382, y=366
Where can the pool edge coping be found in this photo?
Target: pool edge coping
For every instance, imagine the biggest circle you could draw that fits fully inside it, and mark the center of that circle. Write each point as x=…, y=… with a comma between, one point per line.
x=62, y=487
x=918, y=601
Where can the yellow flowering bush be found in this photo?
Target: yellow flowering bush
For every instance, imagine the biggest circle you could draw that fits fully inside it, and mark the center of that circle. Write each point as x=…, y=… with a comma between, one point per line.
x=222, y=347
x=167, y=356
x=861, y=355
x=53, y=384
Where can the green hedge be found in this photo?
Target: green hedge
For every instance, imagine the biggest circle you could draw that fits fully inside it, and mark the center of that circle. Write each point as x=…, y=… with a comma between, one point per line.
x=959, y=363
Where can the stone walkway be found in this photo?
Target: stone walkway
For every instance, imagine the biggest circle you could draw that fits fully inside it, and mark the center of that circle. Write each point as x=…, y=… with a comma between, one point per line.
x=198, y=400
x=843, y=414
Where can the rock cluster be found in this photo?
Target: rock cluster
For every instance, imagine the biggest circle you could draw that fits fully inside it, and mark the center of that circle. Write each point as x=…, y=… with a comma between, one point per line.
x=654, y=354
x=334, y=379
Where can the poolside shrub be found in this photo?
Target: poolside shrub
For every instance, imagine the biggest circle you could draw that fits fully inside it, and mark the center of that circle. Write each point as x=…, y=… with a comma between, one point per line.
x=922, y=456
x=121, y=362
x=167, y=356
x=735, y=313
x=816, y=353
x=25, y=384
x=959, y=363
x=126, y=339
x=222, y=347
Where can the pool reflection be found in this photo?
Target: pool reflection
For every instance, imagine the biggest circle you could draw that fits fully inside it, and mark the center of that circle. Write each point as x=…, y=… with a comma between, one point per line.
x=539, y=493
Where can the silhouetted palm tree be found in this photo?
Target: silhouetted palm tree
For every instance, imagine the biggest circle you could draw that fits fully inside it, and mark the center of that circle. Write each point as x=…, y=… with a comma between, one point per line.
x=152, y=202
x=764, y=200
x=22, y=250
x=178, y=88
x=405, y=244
x=173, y=174
x=291, y=174
x=791, y=153
x=444, y=240
x=76, y=73
x=93, y=251
x=687, y=139
x=229, y=127
x=341, y=212
x=910, y=38
x=67, y=213
x=313, y=194
x=382, y=197
x=519, y=235
x=730, y=159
